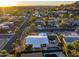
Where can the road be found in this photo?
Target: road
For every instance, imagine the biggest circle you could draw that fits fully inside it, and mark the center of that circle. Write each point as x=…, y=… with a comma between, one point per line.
x=4, y=38
x=8, y=46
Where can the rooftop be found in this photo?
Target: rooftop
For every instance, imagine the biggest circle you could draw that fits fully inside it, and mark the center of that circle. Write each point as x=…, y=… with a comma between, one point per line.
x=37, y=40
x=71, y=37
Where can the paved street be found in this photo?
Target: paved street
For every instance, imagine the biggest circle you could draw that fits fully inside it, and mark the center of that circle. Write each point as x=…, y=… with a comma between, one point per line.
x=8, y=46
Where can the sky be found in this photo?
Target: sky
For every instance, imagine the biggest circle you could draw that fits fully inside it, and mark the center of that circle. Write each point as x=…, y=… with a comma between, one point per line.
x=33, y=3
x=43, y=3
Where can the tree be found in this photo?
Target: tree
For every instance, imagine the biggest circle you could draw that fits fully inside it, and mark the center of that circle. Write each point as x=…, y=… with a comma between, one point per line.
x=29, y=29
x=74, y=53
x=17, y=41
x=32, y=19
x=16, y=12
x=70, y=46
x=29, y=48
x=4, y=52
x=24, y=34
x=14, y=45
x=45, y=20
x=61, y=37
x=76, y=45
x=73, y=49
x=52, y=9
x=32, y=26
x=62, y=15
x=16, y=30
x=65, y=49
x=13, y=51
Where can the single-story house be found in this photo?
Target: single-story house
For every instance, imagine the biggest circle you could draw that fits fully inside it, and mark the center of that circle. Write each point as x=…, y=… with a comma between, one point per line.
x=69, y=38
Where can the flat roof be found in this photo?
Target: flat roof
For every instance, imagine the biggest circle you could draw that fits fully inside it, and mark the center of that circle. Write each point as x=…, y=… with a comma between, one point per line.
x=42, y=34
x=70, y=34
x=37, y=40
x=70, y=39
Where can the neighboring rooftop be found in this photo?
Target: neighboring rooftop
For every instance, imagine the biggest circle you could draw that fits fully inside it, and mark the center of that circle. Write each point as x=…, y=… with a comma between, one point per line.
x=71, y=37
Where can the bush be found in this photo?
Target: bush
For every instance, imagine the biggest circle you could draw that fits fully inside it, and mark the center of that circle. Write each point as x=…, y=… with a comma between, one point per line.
x=14, y=45
x=29, y=48
x=3, y=51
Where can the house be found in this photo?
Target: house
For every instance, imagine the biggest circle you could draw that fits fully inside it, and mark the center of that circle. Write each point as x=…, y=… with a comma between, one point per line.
x=68, y=39
x=6, y=25
x=2, y=26
x=38, y=22
x=71, y=38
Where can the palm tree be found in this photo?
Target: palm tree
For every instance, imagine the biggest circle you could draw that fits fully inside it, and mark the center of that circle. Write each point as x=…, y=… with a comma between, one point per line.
x=61, y=37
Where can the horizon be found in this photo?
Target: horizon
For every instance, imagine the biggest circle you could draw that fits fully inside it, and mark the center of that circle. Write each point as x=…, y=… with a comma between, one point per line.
x=43, y=3
x=9, y=3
